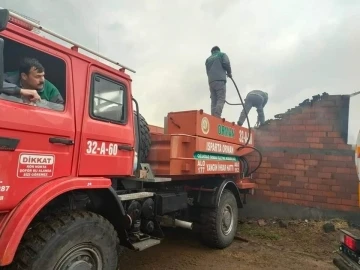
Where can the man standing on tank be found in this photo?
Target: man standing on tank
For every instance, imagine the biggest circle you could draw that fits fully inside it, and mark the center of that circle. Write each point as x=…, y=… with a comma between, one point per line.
x=217, y=67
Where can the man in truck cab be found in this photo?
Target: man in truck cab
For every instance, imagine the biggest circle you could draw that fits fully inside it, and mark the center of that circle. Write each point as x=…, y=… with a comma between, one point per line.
x=14, y=90
x=31, y=75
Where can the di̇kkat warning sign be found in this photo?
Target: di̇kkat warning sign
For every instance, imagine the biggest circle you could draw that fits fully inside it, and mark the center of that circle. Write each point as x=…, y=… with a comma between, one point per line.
x=35, y=166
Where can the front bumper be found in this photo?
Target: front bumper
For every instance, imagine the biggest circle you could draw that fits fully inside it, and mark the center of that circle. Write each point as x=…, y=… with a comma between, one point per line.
x=342, y=262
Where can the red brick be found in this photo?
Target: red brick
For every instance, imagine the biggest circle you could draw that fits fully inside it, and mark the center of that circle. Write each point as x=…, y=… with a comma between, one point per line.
x=286, y=128
x=299, y=127
x=324, y=187
x=266, y=164
x=339, y=140
x=289, y=201
x=331, y=163
x=319, y=199
x=280, y=194
x=344, y=147
x=303, y=156
x=343, y=170
x=273, y=170
x=307, y=197
x=349, y=202
x=325, y=128
x=333, y=134
x=346, y=208
x=338, y=189
x=289, y=166
x=311, y=162
x=298, y=173
x=333, y=200
x=302, y=191
x=277, y=188
x=310, y=122
x=330, y=157
x=297, y=184
x=277, y=154
x=329, y=194
x=300, y=116
x=301, y=167
x=298, y=161
x=328, y=103
x=272, y=138
x=311, y=186
x=303, y=179
x=259, y=193
x=260, y=181
x=311, y=173
x=344, y=177
x=264, y=176
x=285, y=172
x=319, y=134
x=355, y=197
x=301, y=145
x=327, y=140
x=273, y=182
x=315, y=192
x=293, y=196
x=318, y=157
x=329, y=169
x=317, y=145
x=324, y=175
x=263, y=187
x=289, y=189
x=330, y=182
x=312, y=128
x=343, y=195
x=269, y=193
x=261, y=170
x=285, y=183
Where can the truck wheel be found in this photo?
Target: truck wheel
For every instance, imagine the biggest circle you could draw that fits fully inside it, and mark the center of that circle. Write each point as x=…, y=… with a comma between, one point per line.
x=75, y=240
x=145, y=139
x=219, y=225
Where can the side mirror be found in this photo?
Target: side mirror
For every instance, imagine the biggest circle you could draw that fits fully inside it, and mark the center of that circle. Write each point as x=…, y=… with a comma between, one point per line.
x=1, y=64
x=4, y=19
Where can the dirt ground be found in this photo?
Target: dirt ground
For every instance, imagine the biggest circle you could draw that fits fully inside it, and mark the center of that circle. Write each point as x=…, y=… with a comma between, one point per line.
x=274, y=245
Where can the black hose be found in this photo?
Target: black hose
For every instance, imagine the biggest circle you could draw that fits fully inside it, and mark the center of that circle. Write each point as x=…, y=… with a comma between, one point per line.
x=248, y=121
x=260, y=160
x=246, y=113
x=233, y=104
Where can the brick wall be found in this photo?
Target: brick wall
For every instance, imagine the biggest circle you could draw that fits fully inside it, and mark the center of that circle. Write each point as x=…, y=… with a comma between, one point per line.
x=306, y=158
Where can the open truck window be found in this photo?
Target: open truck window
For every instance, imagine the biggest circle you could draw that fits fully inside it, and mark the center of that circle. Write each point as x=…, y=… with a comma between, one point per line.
x=107, y=100
x=55, y=71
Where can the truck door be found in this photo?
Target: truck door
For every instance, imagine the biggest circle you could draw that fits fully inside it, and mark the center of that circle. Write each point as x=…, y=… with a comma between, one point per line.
x=107, y=133
x=36, y=142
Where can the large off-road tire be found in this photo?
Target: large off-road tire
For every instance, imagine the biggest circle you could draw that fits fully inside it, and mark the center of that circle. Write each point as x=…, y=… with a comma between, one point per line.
x=145, y=139
x=77, y=239
x=219, y=225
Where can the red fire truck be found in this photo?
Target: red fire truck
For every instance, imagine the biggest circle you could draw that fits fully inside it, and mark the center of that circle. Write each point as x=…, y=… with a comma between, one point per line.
x=348, y=255
x=81, y=180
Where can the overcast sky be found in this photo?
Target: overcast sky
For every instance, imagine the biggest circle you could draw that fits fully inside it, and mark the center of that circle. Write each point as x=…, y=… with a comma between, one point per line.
x=292, y=49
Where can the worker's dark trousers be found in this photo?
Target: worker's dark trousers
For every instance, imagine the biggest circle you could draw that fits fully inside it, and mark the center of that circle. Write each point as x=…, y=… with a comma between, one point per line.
x=253, y=100
x=218, y=96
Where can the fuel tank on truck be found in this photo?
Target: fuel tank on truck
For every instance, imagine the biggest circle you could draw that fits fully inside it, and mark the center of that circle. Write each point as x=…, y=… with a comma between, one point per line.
x=196, y=143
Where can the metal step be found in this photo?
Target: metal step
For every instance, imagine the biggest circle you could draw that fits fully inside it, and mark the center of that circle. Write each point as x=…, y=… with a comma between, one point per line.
x=135, y=196
x=140, y=246
x=153, y=180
